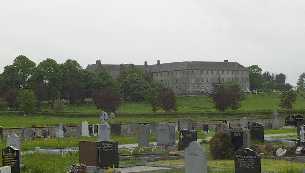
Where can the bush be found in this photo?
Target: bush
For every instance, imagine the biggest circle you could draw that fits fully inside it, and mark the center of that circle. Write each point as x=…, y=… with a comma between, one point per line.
x=221, y=147
x=26, y=101
x=167, y=100
x=58, y=105
x=107, y=99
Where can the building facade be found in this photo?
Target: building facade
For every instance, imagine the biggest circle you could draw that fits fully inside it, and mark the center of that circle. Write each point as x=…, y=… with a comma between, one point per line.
x=190, y=77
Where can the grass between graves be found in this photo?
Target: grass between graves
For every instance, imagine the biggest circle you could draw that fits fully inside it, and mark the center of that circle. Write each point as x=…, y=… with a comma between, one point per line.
x=280, y=131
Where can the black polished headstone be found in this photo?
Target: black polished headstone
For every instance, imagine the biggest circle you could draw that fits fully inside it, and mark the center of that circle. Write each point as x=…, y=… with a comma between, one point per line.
x=116, y=129
x=247, y=161
x=11, y=157
x=237, y=138
x=185, y=138
x=257, y=131
x=205, y=128
x=108, y=154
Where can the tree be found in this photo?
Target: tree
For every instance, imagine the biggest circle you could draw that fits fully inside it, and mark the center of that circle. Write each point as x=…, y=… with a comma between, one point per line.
x=72, y=86
x=133, y=85
x=26, y=101
x=287, y=99
x=107, y=99
x=152, y=96
x=227, y=95
x=280, y=81
x=47, y=80
x=18, y=74
x=301, y=83
x=221, y=146
x=11, y=98
x=255, y=77
x=166, y=100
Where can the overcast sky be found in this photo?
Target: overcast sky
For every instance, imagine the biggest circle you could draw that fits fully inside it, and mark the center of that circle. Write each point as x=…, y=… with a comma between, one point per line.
x=270, y=33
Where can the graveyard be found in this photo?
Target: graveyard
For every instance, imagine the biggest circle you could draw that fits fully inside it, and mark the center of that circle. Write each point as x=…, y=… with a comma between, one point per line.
x=107, y=143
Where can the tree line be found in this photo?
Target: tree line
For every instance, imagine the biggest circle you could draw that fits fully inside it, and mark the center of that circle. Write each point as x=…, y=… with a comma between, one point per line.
x=25, y=85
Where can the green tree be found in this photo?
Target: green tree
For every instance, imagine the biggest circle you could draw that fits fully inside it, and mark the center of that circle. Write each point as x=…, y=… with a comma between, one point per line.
x=287, y=99
x=107, y=99
x=26, y=101
x=301, y=84
x=221, y=146
x=18, y=74
x=47, y=80
x=255, y=77
x=166, y=99
x=133, y=84
x=228, y=95
x=72, y=86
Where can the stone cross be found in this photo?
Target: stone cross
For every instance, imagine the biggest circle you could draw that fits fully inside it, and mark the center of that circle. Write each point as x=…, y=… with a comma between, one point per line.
x=13, y=140
x=85, y=129
x=195, y=159
x=104, y=132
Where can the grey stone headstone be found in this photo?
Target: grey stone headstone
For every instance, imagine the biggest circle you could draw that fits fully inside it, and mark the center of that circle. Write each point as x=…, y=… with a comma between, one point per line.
x=5, y=169
x=165, y=134
x=246, y=138
x=104, y=117
x=185, y=124
x=195, y=159
x=85, y=129
x=143, y=135
x=13, y=140
x=59, y=131
x=244, y=122
x=302, y=135
x=104, y=132
x=28, y=133
x=275, y=120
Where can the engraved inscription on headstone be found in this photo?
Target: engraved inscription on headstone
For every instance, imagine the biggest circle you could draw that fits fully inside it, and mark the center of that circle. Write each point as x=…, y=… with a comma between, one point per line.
x=237, y=138
x=11, y=157
x=108, y=154
x=247, y=161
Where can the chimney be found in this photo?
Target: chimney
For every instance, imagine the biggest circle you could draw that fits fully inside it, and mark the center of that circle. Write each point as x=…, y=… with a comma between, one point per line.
x=145, y=63
x=98, y=62
x=226, y=60
x=158, y=62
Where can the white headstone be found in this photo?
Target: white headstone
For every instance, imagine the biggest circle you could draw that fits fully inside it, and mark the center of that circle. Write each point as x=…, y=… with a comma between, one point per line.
x=246, y=138
x=59, y=131
x=5, y=169
x=275, y=120
x=13, y=140
x=85, y=128
x=104, y=132
x=281, y=152
x=195, y=159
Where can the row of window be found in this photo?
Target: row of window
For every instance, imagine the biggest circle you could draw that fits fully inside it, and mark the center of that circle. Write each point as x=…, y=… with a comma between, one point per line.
x=196, y=72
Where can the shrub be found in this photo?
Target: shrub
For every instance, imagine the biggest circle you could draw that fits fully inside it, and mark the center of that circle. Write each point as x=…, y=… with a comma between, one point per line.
x=221, y=147
x=58, y=105
x=26, y=101
x=167, y=100
x=287, y=99
x=107, y=99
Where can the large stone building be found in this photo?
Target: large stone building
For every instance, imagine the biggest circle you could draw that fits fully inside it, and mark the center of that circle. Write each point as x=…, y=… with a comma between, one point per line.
x=190, y=77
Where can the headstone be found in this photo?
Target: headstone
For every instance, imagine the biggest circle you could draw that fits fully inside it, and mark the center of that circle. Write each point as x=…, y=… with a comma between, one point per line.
x=205, y=128
x=237, y=138
x=85, y=129
x=13, y=140
x=290, y=121
x=275, y=120
x=247, y=161
x=143, y=135
x=257, y=132
x=95, y=129
x=59, y=131
x=165, y=134
x=244, y=122
x=28, y=133
x=185, y=124
x=302, y=135
x=108, y=154
x=116, y=129
x=195, y=159
x=222, y=128
x=11, y=157
x=5, y=169
x=185, y=138
x=104, y=117
x=104, y=132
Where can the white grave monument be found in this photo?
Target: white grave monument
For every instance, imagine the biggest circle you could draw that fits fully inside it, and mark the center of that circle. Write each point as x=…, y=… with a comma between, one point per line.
x=104, y=132
x=85, y=129
x=13, y=140
x=5, y=169
x=59, y=131
x=195, y=159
